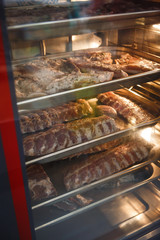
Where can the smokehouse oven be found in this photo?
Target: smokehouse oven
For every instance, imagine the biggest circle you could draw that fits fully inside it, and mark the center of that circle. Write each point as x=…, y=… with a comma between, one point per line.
x=80, y=120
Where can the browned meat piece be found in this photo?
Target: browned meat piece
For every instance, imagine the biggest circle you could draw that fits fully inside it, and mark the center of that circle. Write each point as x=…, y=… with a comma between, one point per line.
x=103, y=7
x=41, y=188
x=81, y=201
x=73, y=203
x=46, y=76
x=119, y=73
x=41, y=119
x=133, y=113
x=42, y=13
x=39, y=183
x=66, y=135
x=93, y=56
x=58, y=66
x=16, y=16
x=36, y=78
x=106, y=110
x=66, y=205
x=135, y=65
x=104, y=164
x=90, y=66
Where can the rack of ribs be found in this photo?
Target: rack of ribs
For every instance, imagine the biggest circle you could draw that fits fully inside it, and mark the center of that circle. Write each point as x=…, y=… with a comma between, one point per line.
x=104, y=164
x=46, y=118
x=133, y=113
x=61, y=136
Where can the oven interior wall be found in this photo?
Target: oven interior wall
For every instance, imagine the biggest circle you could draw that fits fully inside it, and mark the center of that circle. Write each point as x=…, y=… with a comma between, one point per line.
x=143, y=39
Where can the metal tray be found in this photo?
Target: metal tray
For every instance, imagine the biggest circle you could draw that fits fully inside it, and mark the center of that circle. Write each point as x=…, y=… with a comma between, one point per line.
x=50, y=29
x=120, y=218
x=100, y=195
x=91, y=91
x=61, y=154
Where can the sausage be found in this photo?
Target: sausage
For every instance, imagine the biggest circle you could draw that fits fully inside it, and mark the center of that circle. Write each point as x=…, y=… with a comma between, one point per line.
x=106, y=110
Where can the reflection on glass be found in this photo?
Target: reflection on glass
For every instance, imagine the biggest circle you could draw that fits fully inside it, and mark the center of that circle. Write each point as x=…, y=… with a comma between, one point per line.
x=147, y=134
x=156, y=26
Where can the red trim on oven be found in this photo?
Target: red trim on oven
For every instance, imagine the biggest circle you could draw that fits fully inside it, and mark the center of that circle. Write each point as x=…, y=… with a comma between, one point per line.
x=11, y=151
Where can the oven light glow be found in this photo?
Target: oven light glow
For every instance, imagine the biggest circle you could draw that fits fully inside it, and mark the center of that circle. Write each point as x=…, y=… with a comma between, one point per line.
x=74, y=37
x=156, y=26
x=146, y=134
x=94, y=45
x=142, y=219
x=131, y=88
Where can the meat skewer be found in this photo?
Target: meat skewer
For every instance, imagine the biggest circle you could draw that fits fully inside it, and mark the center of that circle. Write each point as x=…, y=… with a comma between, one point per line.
x=66, y=135
x=105, y=163
x=133, y=113
x=42, y=119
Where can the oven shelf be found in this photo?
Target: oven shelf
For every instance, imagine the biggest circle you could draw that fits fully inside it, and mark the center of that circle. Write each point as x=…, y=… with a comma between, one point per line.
x=93, y=90
x=44, y=30
x=86, y=145
x=119, y=192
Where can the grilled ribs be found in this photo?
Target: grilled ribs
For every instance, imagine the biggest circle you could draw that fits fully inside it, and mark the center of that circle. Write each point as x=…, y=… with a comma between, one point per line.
x=61, y=136
x=105, y=163
x=87, y=66
x=133, y=113
x=42, y=119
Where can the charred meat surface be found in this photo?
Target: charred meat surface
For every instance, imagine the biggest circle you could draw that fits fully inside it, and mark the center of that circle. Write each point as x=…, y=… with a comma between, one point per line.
x=89, y=66
x=44, y=76
x=46, y=118
x=133, y=113
x=134, y=65
x=66, y=135
x=106, y=163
